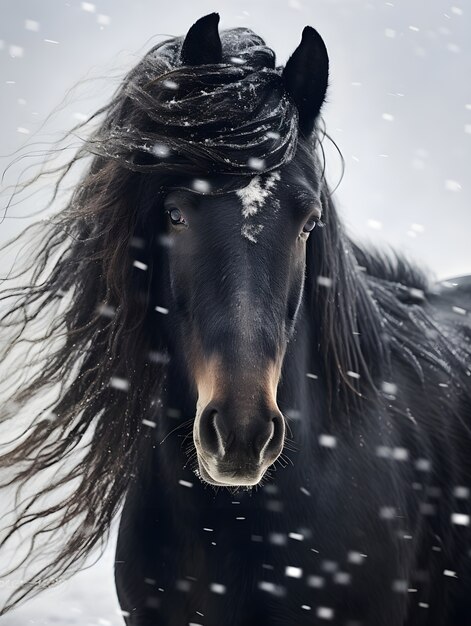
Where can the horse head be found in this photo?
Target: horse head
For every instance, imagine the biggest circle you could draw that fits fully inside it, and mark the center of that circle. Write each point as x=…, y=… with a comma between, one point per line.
x=237, y=262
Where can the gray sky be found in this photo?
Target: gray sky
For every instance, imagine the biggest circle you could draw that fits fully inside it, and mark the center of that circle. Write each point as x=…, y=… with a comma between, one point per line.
x=399, y=107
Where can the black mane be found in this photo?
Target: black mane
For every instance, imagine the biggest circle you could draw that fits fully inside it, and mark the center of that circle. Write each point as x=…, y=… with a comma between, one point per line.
x=172, y=119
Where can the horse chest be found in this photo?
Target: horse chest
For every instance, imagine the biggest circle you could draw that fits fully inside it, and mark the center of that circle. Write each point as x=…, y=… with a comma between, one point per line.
x=265, y=555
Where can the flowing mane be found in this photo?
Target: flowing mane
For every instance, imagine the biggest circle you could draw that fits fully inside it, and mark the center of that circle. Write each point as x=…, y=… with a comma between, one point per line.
x=83, y=329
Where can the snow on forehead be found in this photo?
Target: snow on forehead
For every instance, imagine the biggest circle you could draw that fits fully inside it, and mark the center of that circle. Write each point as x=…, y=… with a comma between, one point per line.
x=257, y=192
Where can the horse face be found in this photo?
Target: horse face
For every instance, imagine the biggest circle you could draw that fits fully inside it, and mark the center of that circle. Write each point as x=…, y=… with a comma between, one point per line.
x=237, y=268
x=237, y=265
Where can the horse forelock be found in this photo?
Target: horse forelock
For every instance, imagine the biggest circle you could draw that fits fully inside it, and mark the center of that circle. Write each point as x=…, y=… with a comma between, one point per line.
x=231, y=118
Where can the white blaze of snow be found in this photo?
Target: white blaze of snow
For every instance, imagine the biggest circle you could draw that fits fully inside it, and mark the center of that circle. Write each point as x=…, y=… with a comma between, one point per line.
x=250, y=231
x=256, y=193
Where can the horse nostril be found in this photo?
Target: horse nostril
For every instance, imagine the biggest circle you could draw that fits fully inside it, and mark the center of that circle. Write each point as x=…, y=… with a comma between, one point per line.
x=208, y=432
x=275, y=443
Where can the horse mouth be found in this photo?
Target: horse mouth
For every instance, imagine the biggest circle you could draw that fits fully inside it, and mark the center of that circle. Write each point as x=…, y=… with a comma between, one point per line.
x=229, y=478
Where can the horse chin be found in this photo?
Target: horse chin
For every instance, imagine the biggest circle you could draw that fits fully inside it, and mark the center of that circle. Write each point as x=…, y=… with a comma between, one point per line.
x=228, y=479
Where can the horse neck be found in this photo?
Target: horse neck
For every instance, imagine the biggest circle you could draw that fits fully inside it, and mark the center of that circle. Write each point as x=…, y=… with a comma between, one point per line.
x=345, y=334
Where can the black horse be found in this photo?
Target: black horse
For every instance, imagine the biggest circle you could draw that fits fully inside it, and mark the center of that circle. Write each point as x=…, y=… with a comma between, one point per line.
x=206, y=267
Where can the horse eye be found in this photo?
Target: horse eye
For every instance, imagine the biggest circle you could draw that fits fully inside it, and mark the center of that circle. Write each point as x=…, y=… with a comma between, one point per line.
x=176, y=217
x=310, y=225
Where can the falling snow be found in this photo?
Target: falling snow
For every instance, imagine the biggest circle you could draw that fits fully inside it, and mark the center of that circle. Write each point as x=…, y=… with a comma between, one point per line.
x=293, y=572
x=32, y=25
x=140, y=266
x=201, y=186
x=327, y=441
x=16, y=51
x=324, y=281
x=324, y=612
x=256, y=164
x=460, y=519
x=185, y=483
x=452, y=185
x=119, y=383
x=89, y=7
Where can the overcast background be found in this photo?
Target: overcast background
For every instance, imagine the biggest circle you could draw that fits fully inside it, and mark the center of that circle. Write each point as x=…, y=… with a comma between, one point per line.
x=399, y=107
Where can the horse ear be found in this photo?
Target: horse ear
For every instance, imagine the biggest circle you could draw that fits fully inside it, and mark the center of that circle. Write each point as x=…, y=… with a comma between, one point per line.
x=202, y=44
x=306, y=75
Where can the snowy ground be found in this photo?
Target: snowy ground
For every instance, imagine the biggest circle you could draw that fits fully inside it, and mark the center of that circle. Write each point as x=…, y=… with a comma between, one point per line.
x=399, y=108
x=88, y=599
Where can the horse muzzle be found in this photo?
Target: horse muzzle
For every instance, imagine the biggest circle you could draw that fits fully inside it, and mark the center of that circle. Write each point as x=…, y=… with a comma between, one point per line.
x=236, y=450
